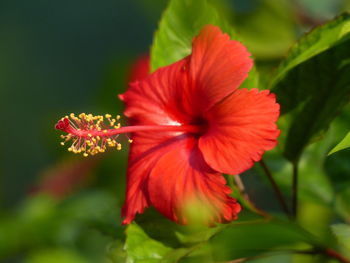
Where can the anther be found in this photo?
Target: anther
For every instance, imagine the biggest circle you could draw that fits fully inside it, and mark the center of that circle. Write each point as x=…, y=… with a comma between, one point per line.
x=85, y=133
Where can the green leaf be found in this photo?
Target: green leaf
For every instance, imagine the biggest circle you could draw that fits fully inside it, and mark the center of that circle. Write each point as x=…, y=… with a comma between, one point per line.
x=313, y=84
x=115, y=251
x=250, y=239
x=181, y=21
x=338, y=165
x=175, y=255
x=345, y=143
x=153, y=238
x=153, y=242
x=141, y=248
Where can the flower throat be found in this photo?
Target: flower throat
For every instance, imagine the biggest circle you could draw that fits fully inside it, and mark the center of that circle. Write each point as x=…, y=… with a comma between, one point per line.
x=93, y=134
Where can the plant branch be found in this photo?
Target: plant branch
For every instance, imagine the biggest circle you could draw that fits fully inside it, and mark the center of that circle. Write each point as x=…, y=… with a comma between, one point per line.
x=334, y=254
x=241, y=187
x=244, y=194
x=295, y=190
x=275, y=187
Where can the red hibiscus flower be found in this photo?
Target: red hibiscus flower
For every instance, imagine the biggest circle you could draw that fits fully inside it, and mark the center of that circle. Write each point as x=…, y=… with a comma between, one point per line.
x=190, y=124
x=235, y=127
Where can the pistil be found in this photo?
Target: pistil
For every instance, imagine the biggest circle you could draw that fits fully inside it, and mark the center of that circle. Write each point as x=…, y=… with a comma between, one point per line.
x=131, y=129
x=91, y=135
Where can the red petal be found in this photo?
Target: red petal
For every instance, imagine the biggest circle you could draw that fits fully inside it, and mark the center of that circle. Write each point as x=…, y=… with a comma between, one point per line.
x=181, y=176
x=241, y=128
x=144, y=154
x=158, y=99
x=217, y=67
x=177, y=93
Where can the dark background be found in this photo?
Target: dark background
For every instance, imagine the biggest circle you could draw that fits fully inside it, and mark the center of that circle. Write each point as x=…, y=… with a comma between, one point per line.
x=59, y=57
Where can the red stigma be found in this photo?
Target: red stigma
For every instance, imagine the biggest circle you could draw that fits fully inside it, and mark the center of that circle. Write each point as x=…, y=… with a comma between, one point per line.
x=62, y=124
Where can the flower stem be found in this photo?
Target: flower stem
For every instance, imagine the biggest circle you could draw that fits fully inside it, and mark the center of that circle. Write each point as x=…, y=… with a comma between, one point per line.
x=295, y=190
x=241, y=187
x=275, y=187
x=334, y=254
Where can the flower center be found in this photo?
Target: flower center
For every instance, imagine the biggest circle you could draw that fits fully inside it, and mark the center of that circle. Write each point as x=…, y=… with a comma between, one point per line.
x=201, y=123
x=93, y=134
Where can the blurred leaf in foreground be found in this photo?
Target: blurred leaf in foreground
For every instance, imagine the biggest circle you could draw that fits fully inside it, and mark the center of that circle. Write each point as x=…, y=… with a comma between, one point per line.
x=342, y=233
x=56, y=256
x=141, y=248
x=269, y=29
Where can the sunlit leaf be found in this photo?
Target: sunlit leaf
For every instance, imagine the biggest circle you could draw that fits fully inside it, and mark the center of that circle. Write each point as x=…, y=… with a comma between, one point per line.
x=142, y=246
x=154, y=237
x=345, y=143
x=313, y=85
